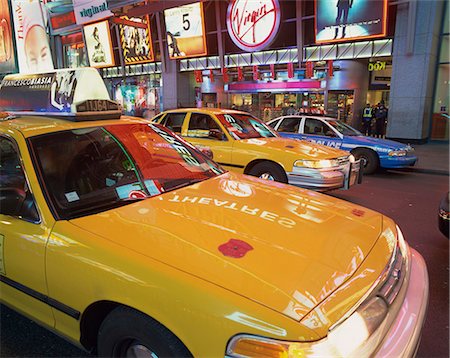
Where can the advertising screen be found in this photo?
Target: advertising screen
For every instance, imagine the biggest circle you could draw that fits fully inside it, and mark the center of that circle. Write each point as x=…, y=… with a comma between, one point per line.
x=347, y=20
x=136, y=41
x=7, y=60
x=185, y=31
x=33, y=49
x=98, y=43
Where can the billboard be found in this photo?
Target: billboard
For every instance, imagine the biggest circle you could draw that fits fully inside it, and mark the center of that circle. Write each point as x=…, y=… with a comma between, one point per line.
x=98, y=44
x=136, y=40
x=347, y=20
x=185, y=31
x=33, y=49
x=7, y=59
x=253, y=24
x=90, y=10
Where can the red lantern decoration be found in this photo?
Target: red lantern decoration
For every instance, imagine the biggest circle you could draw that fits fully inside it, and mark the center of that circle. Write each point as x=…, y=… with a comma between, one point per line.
x=225, y=75
x=330, y=68
x=309, y=69
x=198, y=76
x=272, y=70
x=290, y=70
x=255, y=73
x=211, y=75
x=240, y=74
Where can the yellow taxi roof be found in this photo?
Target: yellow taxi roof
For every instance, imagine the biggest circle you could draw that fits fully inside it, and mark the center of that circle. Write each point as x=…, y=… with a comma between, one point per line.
x=31, y=126
x=206, y=110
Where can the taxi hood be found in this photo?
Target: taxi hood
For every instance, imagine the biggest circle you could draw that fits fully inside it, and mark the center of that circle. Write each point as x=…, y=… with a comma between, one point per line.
x=283, y=247
x=298, y=149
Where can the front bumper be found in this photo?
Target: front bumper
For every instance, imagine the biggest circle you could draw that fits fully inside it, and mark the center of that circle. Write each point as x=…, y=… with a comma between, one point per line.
x=341, y=177
x=403, y=337
x=397, y=161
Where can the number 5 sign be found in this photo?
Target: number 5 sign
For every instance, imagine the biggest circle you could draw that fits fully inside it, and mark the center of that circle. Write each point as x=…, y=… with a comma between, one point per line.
x=185, y=31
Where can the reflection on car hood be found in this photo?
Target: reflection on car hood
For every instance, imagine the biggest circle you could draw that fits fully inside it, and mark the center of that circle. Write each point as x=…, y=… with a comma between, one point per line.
x=299, y=149
x=283, y=247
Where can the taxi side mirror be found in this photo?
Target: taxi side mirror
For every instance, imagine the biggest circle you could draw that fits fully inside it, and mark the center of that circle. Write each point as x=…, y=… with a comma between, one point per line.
x=216, y=133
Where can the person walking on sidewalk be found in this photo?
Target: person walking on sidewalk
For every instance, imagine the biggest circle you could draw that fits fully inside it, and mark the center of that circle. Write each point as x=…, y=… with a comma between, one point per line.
x=367, y=120
x=381, y=113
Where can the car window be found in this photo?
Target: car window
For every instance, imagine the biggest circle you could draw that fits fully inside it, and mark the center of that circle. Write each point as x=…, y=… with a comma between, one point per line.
x=86, y=171
x=289, y=125
x=203, y=126
x=245, y=126
x=274, y=123
x=317, y=127
x=344, y=128
x=174, y=121
x=15, y=197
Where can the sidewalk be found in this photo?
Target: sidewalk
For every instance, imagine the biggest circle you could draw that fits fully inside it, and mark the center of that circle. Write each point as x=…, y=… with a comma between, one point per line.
x=433, y=158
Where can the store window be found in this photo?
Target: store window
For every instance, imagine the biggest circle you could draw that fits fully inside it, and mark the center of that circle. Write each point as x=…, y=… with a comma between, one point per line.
x=440, y=117
x=74, y=50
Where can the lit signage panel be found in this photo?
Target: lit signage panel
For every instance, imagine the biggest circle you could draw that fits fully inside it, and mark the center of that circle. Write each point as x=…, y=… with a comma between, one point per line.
x=90, y=10
x=253, y=24
x=185, y=31
x=347, y=20
x=136, y=41
x=98, y=43
x=7, y=60
x=33, y=49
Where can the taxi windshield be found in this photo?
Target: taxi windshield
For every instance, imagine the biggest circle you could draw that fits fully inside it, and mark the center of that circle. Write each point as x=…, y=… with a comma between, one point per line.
x=245, y=126
x=90, y=170
x=344, y=129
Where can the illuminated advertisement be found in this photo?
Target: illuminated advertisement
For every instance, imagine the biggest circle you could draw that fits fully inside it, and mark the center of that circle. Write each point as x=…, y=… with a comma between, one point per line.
x=90, y=10
x=98, y=43
x=346, y=20
x=185, y=31
x=33, y=49
x=136, y=40
x=253, y=24
x=7, y=60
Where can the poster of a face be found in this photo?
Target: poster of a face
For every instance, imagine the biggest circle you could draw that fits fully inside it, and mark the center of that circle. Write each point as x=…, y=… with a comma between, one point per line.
x=346, y=20
x=98, y=44
x=33, y=49
x=185, y=31
x=136, y=41
x=7, y=59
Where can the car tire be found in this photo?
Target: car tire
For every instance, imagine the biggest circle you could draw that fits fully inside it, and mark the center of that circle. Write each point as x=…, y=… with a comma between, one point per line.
x=126, y=332
x=269, y=171
x=369, y=159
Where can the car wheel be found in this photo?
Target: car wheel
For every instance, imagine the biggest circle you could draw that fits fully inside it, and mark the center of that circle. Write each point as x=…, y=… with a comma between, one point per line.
x=268, y=171
x=126, y=332
x=369, y=159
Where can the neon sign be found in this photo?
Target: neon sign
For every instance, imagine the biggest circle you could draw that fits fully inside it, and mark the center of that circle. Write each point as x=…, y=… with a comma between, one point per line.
x=252, y=25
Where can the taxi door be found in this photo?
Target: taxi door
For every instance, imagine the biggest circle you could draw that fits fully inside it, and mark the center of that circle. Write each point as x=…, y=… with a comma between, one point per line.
x=24, y=233
x=202, y=129
x=318, y=131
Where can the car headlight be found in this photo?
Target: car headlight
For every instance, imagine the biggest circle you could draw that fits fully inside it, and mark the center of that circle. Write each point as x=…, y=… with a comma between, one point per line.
x=397, y=153
x=316, y=164
x=352, y=336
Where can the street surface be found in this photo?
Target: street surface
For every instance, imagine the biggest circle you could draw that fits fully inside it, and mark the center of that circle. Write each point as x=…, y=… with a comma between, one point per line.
x=411, y=199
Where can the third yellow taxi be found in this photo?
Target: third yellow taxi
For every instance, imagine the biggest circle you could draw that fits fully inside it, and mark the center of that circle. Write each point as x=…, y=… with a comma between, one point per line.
x=245, y=144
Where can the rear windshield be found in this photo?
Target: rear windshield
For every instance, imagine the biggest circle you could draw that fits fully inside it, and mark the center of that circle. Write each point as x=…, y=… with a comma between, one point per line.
x=245, y=126
x=86, y=171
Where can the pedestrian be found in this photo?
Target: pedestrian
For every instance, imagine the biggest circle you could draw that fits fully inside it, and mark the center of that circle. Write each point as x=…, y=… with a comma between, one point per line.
x=291, y=110
x=380, y=119
x=367, y=120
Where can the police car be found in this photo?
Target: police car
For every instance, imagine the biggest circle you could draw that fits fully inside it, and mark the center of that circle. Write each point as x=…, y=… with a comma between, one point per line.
x=374, y=152
x=123, y=238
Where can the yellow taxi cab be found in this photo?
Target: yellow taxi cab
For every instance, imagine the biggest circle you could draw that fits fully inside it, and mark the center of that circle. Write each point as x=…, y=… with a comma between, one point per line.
x=123, y=238
x=244, y=144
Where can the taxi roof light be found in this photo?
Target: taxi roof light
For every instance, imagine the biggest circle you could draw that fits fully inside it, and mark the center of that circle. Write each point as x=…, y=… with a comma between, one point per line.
x=73, y=94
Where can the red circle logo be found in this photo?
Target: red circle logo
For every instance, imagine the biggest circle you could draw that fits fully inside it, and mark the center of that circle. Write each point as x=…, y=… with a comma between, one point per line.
x=252, y=25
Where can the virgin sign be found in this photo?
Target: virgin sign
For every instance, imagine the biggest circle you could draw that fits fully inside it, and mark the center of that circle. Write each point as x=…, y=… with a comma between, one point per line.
x=253, y=24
